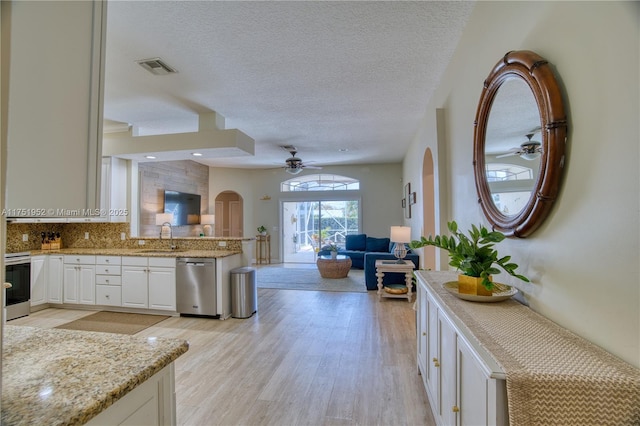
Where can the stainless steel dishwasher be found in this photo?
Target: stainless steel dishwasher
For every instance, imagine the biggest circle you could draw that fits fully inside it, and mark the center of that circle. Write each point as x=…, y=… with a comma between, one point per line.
x=196, y=286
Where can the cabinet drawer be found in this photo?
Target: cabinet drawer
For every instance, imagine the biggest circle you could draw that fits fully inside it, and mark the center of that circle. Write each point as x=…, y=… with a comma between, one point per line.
x=109, y=279
x=110, y=295
x=169, y=262
x=108, y=260
x=79, y=259
x=134, y=260
x=108, y=270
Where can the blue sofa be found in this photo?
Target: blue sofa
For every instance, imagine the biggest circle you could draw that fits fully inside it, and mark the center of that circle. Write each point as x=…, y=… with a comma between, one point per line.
x=364, y=251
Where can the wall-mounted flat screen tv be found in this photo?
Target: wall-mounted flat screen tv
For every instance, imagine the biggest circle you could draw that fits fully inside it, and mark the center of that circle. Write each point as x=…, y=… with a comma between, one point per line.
x=184, y=207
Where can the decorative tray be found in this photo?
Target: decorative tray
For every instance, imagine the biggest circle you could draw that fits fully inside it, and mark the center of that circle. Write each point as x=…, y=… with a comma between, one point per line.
x=506, y=292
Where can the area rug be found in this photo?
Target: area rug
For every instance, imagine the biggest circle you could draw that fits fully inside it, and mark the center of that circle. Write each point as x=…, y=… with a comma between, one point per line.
x=114, y=322
x=308, y=279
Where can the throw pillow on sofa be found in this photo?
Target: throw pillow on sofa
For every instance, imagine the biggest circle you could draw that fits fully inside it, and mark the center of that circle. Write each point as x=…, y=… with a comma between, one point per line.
x=377, y=245
x=357, y=242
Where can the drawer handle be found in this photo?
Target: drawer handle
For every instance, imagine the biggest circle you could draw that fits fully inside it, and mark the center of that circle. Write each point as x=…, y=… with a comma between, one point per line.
x=436, y=363
x=455, y=409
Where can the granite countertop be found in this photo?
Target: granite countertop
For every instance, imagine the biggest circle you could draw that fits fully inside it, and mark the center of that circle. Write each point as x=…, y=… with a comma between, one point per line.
x=146, y=252
x=55, y=376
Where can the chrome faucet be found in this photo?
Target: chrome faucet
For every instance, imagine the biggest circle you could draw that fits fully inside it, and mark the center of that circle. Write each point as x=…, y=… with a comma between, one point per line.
x=171, y=246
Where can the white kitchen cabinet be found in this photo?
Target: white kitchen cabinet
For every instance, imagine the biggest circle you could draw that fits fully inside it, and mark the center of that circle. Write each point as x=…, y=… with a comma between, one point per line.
x=108, y=280
x=151, y=403
x=149, y=283
x=459, y=383
x=135, y=286
x=55, y=278
x=79, y=279
x=54, y=98
x=38, y=280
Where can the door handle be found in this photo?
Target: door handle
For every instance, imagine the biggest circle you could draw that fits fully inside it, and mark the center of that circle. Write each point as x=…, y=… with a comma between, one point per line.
x=8, y=285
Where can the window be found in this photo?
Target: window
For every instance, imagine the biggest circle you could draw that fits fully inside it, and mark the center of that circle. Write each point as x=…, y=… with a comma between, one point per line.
x=320, y=182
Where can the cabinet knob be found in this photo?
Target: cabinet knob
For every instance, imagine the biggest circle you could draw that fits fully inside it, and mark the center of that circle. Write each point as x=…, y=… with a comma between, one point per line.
x=455, y=409
x=106, y=295
x=424, y=333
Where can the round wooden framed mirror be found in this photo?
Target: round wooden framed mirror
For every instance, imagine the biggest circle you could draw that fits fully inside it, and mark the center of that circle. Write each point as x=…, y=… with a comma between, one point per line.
x=519, y=143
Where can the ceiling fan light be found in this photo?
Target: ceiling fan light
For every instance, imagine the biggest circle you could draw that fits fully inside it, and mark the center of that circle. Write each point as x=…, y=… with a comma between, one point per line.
x=530, y=155
x=293, y=170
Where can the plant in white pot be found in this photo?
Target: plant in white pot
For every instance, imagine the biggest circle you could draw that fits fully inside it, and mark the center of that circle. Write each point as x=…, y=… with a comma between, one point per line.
x=262, y=230
x=474, y=256
x=333, y=250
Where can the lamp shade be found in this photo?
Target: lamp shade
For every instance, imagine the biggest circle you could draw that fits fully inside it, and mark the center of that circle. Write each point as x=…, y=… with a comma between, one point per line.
x=163, y=218
x=401, y=234
x=207, y=219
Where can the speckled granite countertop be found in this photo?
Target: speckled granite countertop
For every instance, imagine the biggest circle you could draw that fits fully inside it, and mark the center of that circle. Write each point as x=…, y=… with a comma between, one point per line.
x=147, y=252
x=55, y=376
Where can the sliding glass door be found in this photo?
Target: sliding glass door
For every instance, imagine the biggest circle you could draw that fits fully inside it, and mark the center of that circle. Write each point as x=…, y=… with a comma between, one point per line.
x=307, y=226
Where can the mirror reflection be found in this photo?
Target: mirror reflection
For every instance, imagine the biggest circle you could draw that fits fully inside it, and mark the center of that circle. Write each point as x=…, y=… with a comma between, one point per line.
x=513, y=146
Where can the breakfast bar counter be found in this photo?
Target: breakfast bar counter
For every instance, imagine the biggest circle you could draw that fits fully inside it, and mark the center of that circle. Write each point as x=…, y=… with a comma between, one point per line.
x=55, y=376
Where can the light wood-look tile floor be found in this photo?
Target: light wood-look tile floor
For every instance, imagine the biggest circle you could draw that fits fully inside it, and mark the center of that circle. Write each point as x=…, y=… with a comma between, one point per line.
x=306, y=358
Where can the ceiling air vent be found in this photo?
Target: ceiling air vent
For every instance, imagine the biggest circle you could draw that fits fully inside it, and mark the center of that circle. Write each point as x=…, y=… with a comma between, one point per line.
x=156, y=66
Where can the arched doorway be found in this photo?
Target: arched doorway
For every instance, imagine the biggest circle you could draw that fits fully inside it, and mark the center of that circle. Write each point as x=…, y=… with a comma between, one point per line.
x=229, y=218
x=429, y=208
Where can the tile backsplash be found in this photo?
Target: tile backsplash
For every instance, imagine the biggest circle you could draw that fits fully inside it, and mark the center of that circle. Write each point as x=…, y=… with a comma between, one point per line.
x=101, y=235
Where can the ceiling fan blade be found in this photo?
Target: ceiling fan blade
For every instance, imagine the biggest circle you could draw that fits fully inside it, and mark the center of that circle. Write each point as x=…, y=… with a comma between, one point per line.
x=311, y=167
x=509, y=154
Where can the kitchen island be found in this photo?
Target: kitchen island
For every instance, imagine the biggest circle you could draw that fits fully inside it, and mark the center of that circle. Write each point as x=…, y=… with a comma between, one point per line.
x=56, y=377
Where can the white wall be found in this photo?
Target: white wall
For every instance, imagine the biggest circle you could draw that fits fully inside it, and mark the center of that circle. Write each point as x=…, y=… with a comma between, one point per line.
x=584, y=260
x=381, y=195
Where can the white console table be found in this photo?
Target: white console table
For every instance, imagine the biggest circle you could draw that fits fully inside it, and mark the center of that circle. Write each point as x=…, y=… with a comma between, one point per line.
x=502, y=363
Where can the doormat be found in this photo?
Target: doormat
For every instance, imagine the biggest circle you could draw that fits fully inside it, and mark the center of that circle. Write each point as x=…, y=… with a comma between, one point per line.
x=114, y=322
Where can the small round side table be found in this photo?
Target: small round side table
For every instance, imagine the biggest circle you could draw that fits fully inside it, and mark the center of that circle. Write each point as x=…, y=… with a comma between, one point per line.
x=337, y=267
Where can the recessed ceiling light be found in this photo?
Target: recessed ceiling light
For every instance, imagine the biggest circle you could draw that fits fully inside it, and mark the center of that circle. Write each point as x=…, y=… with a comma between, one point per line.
x=150, y=157
x=344, y=150
x=196, y=154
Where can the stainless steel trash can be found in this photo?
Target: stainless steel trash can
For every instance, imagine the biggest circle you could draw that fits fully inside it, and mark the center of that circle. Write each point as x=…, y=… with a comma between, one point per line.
x=244, y=292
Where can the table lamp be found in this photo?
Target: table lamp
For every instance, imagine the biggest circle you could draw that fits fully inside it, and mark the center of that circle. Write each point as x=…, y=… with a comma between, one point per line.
x=207, y=220
x=400, y=235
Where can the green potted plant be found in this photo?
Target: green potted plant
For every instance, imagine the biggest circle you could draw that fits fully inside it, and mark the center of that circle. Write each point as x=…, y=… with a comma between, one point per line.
x=333, y=249
x=262, y=230
x=474, y=256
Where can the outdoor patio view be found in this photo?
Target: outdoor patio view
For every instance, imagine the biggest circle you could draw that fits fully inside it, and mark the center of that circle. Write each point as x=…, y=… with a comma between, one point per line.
x=310, y=225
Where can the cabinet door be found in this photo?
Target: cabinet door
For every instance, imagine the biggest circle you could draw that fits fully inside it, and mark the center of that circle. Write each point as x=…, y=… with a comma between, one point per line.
x=38, y=280
x=473, y=385
x=447, y=359
x=433, y=354
x=55, y=277
x=421, y=332
x=162, y=288
x=71, y=283
x=134, y=287
x=87, y=284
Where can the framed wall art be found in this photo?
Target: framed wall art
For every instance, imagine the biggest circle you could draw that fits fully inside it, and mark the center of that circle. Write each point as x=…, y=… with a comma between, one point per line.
x=407, y=197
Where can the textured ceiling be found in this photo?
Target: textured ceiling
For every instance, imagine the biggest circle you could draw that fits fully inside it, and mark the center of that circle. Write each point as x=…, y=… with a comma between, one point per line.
x=322, y=76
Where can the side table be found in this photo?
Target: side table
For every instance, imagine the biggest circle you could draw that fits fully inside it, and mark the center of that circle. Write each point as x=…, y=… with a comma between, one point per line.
x=263, y=248
x=383, y=266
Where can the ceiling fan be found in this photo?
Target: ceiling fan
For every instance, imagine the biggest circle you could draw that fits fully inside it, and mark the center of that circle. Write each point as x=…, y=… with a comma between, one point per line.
x=293, y=164
x=529, y=150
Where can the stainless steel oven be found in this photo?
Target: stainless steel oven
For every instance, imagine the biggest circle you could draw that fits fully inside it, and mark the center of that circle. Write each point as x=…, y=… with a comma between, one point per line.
x=18, y=274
